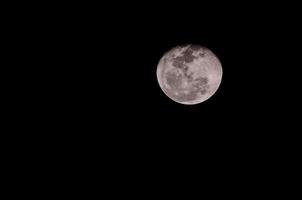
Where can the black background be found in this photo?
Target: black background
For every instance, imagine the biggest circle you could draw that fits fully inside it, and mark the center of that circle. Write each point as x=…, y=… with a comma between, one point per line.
x=93, y=70
x=91, y=90
x=102, y=65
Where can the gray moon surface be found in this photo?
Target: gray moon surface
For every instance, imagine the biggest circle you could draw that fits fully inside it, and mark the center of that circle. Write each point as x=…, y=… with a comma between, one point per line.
x=189, y=74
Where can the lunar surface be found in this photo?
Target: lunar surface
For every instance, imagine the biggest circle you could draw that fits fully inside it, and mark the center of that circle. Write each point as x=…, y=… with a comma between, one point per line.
x=189, y=74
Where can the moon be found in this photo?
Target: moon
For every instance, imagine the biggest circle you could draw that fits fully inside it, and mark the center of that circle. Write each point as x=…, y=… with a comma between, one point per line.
x=189, y=74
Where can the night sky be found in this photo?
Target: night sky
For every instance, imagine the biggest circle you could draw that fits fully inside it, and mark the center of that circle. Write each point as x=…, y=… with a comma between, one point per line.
x=92, y=82
x=102, y=68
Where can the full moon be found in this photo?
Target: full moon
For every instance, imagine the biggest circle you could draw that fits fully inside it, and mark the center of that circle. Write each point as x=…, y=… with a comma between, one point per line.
x=189, y=74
